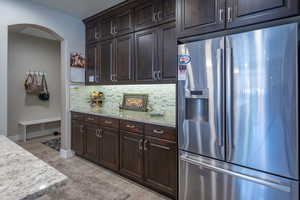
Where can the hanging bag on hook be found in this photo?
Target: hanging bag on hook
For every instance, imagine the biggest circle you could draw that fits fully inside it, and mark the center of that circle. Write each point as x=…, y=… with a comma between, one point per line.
x=32, y=85
x=44, y=95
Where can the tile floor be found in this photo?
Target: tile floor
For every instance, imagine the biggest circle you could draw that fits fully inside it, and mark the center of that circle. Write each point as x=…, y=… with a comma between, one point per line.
x=87, y=181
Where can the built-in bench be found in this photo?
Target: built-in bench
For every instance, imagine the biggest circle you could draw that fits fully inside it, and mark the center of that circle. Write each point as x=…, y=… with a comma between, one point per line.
x=25, y=124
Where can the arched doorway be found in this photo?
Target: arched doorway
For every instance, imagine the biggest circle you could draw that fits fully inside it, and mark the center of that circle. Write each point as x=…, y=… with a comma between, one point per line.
x=64, y=78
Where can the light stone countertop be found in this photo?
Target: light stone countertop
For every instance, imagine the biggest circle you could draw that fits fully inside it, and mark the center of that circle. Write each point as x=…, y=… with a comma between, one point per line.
x=22, y=175
x=168, y=119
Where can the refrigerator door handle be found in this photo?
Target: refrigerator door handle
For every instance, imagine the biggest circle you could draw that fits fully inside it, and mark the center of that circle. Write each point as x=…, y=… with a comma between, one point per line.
x=220, y=110
x=229, y=99
x=271, y=184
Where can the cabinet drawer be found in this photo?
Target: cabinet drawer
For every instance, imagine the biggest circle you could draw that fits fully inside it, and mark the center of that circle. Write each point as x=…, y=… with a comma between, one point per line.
x=162, y=132
x=131, y=126
x=77, y=116
x=92, y=119
x=109, y=122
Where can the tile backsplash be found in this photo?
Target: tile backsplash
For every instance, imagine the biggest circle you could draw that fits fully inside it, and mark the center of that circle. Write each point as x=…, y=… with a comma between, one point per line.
x=162, y=97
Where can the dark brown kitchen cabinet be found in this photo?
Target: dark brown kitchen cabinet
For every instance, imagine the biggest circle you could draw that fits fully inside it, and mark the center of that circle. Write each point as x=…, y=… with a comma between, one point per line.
x=200, y=16
x=145, y=15
x=92, y=32
x=123, y=22
x=78, y=132
x=92, y=62
x=154, y=12
x=167, y=52
x=203, y=16
x=131, y=155
x=123, y=57
x=166, y=10
x=106, y=28
x=90, y=142
x=160, y=164
x=105, y=61
x=156, y=54
x=146, y=55
x=116, y=24
x=244, y=12
x=146, y=153
x=108, y=149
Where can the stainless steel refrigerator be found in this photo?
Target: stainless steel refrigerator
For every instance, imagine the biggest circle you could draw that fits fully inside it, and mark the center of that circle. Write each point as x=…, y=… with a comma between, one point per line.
x=238, y=116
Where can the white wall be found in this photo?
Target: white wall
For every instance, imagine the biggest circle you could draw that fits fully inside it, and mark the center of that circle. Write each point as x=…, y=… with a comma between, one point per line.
x=24, y=53
x=72, y=31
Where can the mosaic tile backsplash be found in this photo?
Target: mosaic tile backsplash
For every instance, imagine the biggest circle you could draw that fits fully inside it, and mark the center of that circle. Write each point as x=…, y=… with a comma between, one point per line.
x=162, y=97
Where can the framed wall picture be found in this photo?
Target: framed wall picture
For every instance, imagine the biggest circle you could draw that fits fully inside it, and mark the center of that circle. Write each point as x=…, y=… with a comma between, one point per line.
x=136, y=102
x=77, y=60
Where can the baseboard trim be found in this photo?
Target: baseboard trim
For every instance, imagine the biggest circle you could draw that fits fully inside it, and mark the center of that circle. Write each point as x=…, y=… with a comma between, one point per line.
x=16, y=138
x=66, y=153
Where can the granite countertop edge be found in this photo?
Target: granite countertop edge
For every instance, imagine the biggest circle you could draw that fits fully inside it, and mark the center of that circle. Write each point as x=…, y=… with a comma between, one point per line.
x=47, y=190
x=171, y=125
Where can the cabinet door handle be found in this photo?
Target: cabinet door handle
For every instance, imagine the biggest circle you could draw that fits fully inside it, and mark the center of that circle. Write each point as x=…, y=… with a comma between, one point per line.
x=158, y=75
x=158, y=131
x=145, y=145
x=90, y=119
x=115, y=30
x=81, y=128
x=221, y=16
x=97, y=132
x=130, y=126
x=229, y=14
x=154, y=75
x=141, y=144
x=111, y=30
x=159, y=16
x=107, y=122
x=96, y=36
x=154, y=17
x=100, y=133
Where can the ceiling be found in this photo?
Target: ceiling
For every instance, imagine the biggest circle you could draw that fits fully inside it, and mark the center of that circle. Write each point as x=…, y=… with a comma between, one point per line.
x=79, y=8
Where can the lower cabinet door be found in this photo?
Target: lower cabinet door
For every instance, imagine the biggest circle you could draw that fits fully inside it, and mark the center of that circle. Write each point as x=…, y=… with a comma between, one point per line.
x=160, y=165
x=131, y=155
x=77, y=137
x=91, y=142
x=109, y=148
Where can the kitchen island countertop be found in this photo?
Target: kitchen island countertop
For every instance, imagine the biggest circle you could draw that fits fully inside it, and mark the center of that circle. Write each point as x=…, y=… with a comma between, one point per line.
x=23, y=176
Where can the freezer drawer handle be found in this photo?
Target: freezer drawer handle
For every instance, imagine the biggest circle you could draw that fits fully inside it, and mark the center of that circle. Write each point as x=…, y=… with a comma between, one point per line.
x=277, y=186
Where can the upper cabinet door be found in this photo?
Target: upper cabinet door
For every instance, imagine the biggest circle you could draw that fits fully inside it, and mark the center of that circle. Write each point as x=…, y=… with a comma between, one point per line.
x=124, y=58
x=146, y=55
x=90, y=71
x=166, y=11
x=106, y=62
x=92, y=32
x=123, y=22
x=167, y=52
x=200, y=16
x=244, y=12
x=106, y=28
x=145, y=15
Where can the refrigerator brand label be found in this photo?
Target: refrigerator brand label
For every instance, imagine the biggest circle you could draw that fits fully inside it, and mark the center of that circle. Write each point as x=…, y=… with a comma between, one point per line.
x=182, y=72
x=184, y=59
